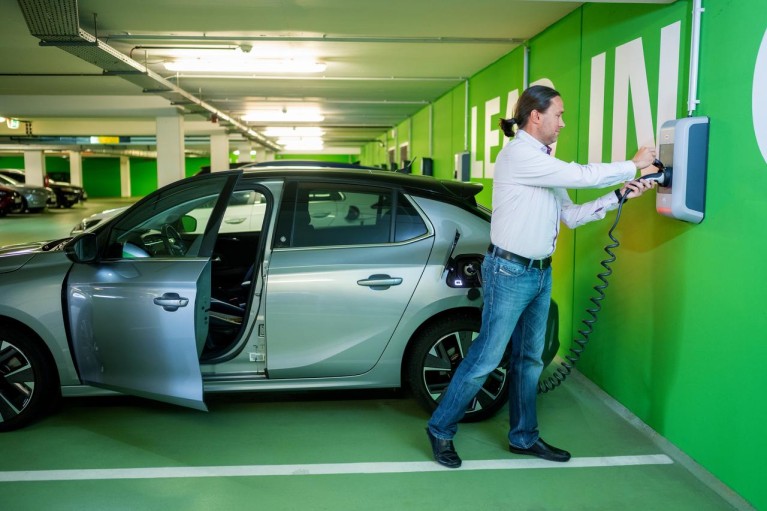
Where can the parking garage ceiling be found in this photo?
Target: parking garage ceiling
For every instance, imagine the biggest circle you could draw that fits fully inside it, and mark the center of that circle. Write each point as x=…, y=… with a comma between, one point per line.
x=72, y=68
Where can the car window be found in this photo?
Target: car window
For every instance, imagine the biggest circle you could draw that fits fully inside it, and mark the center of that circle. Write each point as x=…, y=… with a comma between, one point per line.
x=244, y=213
x=172, y=225
x=331, y=214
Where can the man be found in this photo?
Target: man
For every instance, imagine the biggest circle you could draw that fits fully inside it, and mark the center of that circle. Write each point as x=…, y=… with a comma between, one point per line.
x=529, y=201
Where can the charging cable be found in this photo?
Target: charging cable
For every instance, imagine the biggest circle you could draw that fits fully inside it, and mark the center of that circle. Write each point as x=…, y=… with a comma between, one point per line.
x=565, y=368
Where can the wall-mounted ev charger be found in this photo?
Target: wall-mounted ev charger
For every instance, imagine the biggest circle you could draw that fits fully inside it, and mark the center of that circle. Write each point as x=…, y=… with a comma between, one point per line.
x=683, y=149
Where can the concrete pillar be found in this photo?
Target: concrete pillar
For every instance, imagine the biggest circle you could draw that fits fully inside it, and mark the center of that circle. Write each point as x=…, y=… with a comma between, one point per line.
x=170, y=150
x=219, y=152
x=34, y=167
x=76, y=168
x=125, y=190
x=245, y=156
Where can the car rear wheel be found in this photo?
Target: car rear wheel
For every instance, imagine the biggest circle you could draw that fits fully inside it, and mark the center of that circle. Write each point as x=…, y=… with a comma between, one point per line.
x=27, y=380
x=434, y=358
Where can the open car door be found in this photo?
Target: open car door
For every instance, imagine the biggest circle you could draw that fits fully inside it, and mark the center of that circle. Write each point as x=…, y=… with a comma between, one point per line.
x=138, y=308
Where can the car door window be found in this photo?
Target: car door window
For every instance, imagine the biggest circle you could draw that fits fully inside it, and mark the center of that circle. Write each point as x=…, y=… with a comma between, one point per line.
x=172, y=225
x=336, y=214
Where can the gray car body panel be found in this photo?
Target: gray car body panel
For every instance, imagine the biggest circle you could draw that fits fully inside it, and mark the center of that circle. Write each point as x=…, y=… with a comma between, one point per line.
x=126, y=339
x=32, y=296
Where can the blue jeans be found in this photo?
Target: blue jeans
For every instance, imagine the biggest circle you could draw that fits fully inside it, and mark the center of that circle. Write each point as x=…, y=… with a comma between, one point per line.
x=516, y=306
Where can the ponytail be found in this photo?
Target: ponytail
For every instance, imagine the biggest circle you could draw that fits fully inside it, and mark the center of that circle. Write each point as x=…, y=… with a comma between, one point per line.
x=537, y=97
x=507, y=126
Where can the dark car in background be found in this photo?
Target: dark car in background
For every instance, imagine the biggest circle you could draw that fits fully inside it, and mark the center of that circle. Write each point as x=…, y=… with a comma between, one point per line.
x=33, y=198
x=67, y=194
x=10, y=200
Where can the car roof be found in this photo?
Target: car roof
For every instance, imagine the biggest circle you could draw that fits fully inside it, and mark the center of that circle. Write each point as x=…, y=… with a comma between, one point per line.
x=413, y=184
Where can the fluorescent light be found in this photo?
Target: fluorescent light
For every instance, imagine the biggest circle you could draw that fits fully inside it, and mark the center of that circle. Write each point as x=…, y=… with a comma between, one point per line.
x=284, y=115
x=294, y=131
x=245, y=65
x=293, y=143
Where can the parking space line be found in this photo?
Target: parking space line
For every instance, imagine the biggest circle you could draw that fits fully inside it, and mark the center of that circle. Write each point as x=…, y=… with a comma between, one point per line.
x=323, y=469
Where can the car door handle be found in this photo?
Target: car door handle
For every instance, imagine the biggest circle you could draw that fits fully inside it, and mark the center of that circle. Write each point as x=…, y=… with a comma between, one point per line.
x=237, y=220
x=380, y=282
x=171, y=301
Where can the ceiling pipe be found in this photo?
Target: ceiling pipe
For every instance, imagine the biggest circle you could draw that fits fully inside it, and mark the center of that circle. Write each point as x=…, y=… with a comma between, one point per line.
x=244, y=76
x=319, y=39
x=57, y=24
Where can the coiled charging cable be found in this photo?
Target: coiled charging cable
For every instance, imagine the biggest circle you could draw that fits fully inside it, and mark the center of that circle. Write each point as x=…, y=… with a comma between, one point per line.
x=566, y=366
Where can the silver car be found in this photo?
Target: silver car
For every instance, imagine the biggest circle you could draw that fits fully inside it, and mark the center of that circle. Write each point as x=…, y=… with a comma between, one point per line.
x=337, y=278
x=34, y=198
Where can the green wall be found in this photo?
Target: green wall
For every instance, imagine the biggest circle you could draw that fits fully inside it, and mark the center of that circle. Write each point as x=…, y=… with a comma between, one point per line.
x=679, y=346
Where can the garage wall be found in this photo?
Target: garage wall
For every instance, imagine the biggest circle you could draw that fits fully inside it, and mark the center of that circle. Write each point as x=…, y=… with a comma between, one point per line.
x=446, y=134
x=678, y=343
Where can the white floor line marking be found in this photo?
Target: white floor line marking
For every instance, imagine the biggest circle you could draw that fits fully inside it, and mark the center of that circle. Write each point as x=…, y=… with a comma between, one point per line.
x=323, y=469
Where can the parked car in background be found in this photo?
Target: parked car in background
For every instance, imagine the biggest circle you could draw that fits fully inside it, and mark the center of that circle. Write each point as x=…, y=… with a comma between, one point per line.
x=67, y=195
x=33, y=198
x=331, y=278
x=95, y=219
x=10, y=200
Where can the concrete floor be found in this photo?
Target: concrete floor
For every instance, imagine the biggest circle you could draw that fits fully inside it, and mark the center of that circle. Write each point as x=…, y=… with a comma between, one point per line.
x=330, y=450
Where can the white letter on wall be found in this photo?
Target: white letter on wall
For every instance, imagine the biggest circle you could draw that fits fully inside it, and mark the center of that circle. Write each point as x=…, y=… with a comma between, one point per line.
x=476, y=166
x=630, y=72
x=597, y=108
x=758, y=100
x=492, y=108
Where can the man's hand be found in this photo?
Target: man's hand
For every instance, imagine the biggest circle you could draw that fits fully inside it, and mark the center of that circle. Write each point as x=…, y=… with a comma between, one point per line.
x=652, y=169
x=638, y=187
x=644, y=157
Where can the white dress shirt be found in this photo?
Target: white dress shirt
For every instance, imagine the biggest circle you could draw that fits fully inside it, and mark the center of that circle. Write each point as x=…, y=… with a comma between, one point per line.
x=530, y=196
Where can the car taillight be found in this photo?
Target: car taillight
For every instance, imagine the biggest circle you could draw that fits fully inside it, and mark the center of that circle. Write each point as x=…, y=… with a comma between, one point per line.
x=46, y=180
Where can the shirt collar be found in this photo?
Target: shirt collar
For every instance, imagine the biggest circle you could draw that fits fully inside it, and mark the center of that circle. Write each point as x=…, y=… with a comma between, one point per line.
x=527, y=138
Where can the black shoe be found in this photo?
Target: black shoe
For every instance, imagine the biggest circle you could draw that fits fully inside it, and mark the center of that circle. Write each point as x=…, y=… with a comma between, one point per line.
x=444, y=452
x=542, y=450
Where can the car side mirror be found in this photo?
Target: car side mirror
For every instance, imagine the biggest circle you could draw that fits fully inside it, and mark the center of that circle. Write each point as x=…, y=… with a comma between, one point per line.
x=188, y=223
x=83, y=249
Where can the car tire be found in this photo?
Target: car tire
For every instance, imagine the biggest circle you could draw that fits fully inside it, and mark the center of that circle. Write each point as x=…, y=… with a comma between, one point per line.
x=435, y=355
x=28, y=382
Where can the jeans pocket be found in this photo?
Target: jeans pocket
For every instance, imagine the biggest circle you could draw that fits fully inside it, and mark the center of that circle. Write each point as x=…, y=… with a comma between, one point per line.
x=510, y=269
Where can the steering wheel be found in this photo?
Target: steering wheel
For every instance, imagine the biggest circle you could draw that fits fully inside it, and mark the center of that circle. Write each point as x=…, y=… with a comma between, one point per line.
x=172, y=240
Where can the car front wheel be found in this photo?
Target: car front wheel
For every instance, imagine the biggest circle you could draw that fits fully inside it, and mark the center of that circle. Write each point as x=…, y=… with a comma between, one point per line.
x=27, y=380
x=434, y=358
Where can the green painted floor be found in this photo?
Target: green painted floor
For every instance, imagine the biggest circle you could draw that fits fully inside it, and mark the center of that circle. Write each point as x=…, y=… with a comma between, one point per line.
x=321, y=428
x=327, y=428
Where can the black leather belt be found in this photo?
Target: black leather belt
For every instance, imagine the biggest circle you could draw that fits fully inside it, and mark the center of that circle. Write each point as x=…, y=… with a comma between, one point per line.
x=514, y=258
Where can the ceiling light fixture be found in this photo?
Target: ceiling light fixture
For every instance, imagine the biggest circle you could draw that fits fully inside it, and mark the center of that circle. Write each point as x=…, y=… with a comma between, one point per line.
x=301, y=143
x=245, y=65
x=284, y=115
x=294, y=131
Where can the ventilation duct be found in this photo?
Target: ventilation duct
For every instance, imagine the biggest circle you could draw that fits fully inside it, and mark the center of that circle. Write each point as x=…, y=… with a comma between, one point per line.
x=56, y=23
